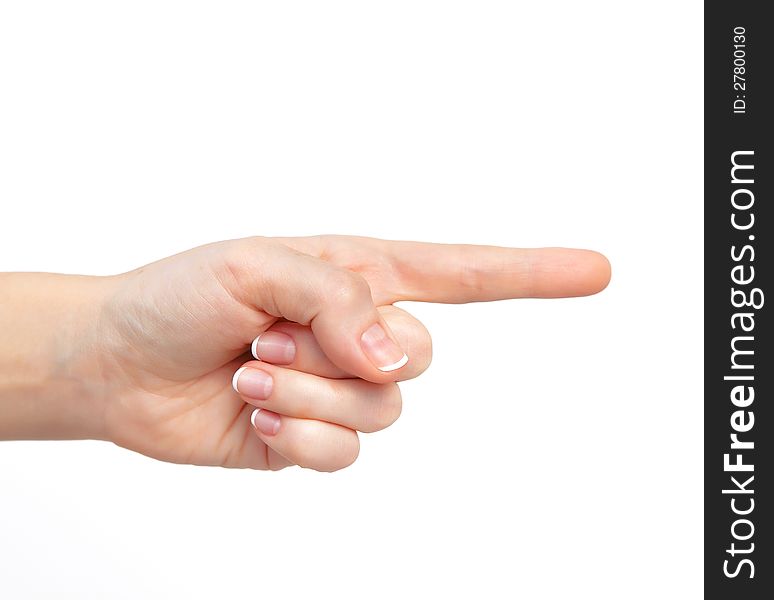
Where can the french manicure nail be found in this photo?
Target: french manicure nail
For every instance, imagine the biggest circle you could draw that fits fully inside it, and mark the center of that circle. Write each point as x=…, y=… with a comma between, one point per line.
x=253, y=383
x=385, y=354
x=268, y=423
x=274, y=347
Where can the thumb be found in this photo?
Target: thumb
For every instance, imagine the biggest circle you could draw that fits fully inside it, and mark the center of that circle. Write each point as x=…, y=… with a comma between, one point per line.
x=336, y=303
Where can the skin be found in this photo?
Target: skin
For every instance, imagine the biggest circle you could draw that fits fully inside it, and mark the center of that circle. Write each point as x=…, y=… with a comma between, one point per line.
x=145, y=359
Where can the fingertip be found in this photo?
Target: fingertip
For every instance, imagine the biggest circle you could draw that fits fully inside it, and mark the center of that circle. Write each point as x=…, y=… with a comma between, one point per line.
x=608, y=272
x=599, y=272
x=576, y=273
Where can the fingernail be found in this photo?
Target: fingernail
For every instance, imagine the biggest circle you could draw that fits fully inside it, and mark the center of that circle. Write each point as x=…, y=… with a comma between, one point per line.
x=268, y=423
x=274, y=347
x=253, y=383
x=381, y=350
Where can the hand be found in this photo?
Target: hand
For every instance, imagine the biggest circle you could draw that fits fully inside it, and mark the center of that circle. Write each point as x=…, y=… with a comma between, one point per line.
x=155, y=350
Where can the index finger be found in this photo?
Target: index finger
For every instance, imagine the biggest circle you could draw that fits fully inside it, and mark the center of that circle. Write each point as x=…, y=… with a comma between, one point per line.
x=451, y=273
x=458, y=273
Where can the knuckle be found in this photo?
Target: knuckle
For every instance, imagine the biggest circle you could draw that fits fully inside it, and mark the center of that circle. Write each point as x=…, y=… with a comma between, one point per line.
x=422, y=350
x=345, y=287
x=311, y=450
x=348, y=454
x=386, y=410
x=302, y=448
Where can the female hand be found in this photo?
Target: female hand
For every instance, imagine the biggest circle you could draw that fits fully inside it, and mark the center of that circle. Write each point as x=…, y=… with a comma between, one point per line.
x=146, y=359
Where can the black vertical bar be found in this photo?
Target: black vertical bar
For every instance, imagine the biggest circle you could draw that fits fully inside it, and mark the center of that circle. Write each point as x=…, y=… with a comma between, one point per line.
x=738, y=69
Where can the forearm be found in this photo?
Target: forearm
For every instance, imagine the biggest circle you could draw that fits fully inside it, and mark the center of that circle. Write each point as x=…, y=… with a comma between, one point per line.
x=49, y=368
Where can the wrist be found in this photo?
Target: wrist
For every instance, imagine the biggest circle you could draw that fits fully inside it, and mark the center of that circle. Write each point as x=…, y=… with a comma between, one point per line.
x=51, y=380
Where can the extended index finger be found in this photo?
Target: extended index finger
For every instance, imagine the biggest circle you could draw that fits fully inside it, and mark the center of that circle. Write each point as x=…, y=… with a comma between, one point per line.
x=457, y=273
x=453, y=273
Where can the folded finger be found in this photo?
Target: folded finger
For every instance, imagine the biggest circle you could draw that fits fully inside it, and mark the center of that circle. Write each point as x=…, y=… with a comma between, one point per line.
x=308, y=443
x=352, y=403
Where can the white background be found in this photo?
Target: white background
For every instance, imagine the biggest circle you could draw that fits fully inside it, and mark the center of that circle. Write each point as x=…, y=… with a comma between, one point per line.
x=554, y=448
